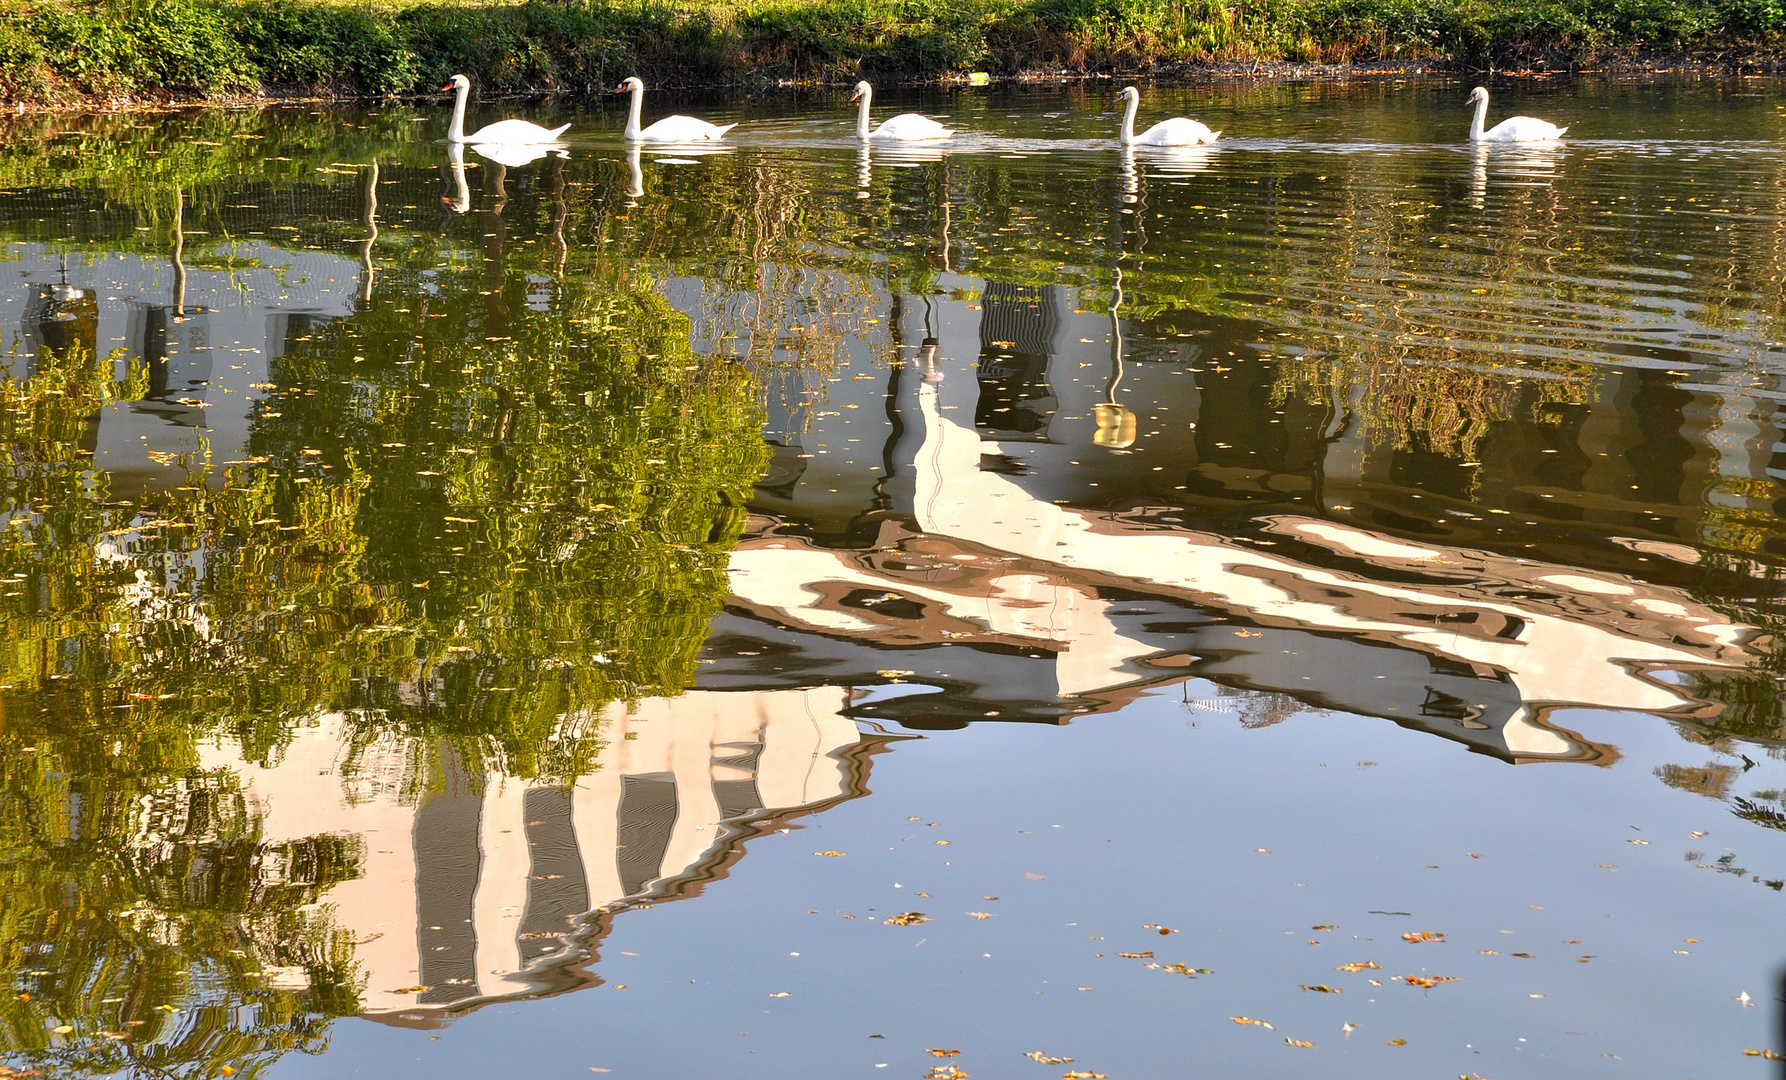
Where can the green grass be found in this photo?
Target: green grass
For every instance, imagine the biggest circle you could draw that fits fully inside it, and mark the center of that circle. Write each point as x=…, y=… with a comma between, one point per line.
x=57, y=50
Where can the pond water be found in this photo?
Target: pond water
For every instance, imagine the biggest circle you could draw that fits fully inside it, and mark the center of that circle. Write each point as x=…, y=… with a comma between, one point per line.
x=1307, y=606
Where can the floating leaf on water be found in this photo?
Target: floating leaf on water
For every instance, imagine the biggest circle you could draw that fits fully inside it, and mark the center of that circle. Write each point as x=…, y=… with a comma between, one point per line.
x=1396, y=1042
x=934, y=1052
x=1133, y=955
x=909, y=918
x=1250, y=1020
x=1160, y=929
x=1296, y=1042
x=1188, y=971
x=781, y=993
x=1321, y=988
x=1427, y=982
x=1082, y=1076
x=1043, y=1059
x=1325, y=926
x=1362, y=965
x=832, y=854
x=1419, y=936
x=982, y=915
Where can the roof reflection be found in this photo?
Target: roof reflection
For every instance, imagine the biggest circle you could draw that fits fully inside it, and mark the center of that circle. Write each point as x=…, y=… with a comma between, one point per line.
x=1025, y=605
x=475, y=885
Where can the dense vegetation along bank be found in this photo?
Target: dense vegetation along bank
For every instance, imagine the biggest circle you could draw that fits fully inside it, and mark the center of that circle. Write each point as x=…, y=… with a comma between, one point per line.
x=57, y=51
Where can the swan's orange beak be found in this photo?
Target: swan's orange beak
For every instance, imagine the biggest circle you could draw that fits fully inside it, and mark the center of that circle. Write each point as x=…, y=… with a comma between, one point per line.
x=447, y=87
x=621, y=89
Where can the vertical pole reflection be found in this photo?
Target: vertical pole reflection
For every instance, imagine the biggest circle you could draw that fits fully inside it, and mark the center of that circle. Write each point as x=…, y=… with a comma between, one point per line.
x=179, y=254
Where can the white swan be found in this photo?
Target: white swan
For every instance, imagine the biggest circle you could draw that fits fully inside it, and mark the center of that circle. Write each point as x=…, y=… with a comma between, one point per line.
x=1177, y=131
x=670, y=128
x=502, y=131
x=1512, y=129
x=906, y=127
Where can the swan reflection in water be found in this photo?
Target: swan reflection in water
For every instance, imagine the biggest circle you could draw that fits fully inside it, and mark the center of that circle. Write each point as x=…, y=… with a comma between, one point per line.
x=1170, y=162
x=369, y=218
x=893, y=156
x=1516, y=165
x=460, y=200
x=502, y=156
x=1117, y=425
x=515, y=156
x=668, y=154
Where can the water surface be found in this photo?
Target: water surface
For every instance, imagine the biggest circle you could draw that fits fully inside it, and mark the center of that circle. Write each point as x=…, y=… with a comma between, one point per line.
x=1303, y=606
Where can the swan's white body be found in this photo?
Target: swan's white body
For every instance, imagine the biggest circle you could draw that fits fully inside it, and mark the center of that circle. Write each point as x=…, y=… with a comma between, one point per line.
x=1178, y=131
x=677, y=129
x=1512, y=129
x=505, y=132
x=906, y=127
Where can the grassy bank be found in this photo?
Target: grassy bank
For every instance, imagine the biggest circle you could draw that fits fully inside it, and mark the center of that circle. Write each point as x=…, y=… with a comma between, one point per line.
x=56, y=51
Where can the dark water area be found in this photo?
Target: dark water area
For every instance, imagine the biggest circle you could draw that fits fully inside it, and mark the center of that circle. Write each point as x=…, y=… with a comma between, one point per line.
x=1303, y=606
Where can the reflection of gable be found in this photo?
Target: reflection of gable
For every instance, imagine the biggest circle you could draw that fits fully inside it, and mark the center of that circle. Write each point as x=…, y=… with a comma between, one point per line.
x=1477, y=647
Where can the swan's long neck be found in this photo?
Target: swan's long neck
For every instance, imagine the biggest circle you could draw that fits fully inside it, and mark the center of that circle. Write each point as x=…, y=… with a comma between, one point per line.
x=632, y=117
x=1481, y=117
x=456, y=133
x=862, y=114
x=1128, y=119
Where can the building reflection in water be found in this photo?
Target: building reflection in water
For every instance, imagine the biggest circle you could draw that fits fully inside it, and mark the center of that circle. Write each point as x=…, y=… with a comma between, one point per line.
x=1012, y=549
x=476, y=886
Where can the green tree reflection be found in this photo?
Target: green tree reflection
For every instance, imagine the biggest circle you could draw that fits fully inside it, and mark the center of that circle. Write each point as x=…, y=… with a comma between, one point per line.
x=483, y=529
